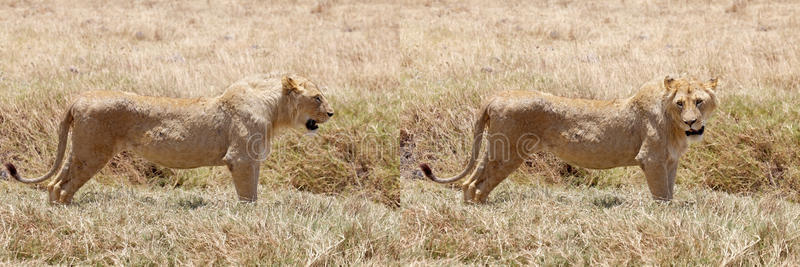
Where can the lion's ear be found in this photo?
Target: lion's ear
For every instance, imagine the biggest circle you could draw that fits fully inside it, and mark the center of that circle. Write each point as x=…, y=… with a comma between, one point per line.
x=712, y=84
x=289, y=85
x=669, y=82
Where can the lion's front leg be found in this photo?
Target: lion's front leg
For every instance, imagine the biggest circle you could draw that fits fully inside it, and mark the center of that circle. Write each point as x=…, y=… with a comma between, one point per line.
x=244, y=170
x=672, y=171
x=244, y=158
x=658, y=166
x=245, y=179
x=658, y=179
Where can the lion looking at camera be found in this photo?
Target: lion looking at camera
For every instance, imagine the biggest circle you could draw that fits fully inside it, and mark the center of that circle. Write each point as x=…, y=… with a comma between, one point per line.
x=651, y=129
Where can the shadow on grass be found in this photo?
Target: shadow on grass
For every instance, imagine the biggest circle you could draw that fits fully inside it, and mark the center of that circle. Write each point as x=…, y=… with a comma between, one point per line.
x=607, y=201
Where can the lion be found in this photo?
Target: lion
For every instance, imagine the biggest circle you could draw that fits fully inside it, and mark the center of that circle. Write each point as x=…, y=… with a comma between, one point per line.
x=651, y=129
x=233, y=129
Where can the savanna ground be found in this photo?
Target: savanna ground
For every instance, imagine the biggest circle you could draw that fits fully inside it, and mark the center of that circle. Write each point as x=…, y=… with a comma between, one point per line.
x=405, y=78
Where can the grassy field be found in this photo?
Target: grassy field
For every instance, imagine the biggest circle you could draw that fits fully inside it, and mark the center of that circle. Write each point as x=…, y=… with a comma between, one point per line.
x=405, y=78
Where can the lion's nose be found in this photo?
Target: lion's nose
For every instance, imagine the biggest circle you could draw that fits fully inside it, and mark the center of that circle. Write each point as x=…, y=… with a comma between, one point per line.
x=330, y=114
x=690, y=122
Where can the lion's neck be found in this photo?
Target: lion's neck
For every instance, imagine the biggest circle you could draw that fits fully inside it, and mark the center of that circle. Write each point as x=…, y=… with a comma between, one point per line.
x=679, y=143
x=277, y=110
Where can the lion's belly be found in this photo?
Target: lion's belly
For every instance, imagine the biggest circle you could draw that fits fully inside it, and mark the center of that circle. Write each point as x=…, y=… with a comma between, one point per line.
x=591, y=142
x=179, y=156
x=594, y=152
x=596, y=160
x=179, y=145
x=182, y=160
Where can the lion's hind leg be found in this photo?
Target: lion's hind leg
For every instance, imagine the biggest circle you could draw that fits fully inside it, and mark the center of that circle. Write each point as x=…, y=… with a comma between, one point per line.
x=500, y=160
x=84, y=163
x=500, y=170
x=470, y=185
x=54, y=187
x=504, y=155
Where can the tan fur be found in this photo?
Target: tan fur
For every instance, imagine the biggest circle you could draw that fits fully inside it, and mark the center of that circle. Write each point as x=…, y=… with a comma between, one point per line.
x=233, y=129
x=648, y=129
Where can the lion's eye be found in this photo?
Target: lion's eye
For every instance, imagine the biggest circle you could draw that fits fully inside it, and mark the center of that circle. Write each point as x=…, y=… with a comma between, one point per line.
x=699, y=101
x=679, y=103
x=318, y=99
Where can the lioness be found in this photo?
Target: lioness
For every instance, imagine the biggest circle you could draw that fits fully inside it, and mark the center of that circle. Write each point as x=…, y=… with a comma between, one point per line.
x=233, y=129
x=651, y=129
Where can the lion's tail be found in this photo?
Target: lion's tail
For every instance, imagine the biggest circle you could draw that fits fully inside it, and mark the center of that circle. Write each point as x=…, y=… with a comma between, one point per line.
x=63, y=132
x=480, y=124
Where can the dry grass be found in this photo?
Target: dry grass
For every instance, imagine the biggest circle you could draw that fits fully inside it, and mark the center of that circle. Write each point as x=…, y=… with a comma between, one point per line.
x=405, y=78
x=523, y=225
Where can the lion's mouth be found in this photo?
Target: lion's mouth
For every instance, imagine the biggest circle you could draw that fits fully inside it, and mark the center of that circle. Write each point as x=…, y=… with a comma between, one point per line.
x=311, y=125
x=691, y=132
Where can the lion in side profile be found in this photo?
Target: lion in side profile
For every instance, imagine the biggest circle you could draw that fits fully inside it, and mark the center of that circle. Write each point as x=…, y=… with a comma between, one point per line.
x=233, y=129
x=651, y=129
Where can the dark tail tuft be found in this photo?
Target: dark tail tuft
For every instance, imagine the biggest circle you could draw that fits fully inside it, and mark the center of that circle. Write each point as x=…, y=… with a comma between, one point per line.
x=12, y=170
x=426, y=170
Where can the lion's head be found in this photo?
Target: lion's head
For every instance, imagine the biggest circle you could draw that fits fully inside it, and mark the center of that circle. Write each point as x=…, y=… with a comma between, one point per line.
x=310, y=106
x=692, y=103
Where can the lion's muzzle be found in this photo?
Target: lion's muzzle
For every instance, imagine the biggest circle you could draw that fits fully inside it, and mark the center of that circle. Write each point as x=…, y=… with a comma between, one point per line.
x=691, y=132
x=311, y=124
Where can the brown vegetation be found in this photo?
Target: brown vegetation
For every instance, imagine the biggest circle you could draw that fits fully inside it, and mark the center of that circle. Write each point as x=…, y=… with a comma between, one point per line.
x=405, y=78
